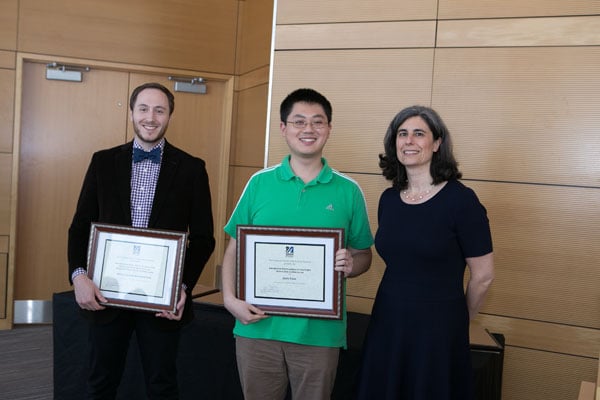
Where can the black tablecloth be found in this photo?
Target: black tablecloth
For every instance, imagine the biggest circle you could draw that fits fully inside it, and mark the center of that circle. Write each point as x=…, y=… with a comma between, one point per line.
x=206, y=360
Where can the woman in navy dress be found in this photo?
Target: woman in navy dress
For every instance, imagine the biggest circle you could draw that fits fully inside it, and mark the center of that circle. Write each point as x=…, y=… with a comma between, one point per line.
x=431, y=227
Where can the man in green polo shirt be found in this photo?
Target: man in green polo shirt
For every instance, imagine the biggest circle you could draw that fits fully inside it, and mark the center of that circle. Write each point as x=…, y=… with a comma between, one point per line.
x=302, y=191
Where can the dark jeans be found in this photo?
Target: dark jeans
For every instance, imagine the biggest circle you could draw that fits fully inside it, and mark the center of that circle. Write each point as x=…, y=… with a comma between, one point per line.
x=108, y=350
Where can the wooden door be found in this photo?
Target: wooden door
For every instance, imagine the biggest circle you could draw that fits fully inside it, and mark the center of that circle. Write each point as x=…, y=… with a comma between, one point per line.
x=62, y=124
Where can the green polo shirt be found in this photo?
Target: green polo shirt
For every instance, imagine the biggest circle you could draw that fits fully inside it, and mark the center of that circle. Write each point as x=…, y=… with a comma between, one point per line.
x=275, y=196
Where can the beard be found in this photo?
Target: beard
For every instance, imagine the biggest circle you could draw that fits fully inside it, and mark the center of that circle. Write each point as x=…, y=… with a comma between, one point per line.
x=153, y=138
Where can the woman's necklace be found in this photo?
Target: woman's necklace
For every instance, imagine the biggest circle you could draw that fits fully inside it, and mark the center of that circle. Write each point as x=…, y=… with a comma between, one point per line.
x=417, y=196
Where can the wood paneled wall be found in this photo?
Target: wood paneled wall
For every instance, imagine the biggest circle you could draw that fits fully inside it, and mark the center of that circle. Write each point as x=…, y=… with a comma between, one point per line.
x=186, y=34
x=252, y=86
x=8, y=45
x=517, y=83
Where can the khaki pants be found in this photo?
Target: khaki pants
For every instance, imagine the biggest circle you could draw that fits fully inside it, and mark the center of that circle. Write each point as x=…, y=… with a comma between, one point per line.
x=267, y=366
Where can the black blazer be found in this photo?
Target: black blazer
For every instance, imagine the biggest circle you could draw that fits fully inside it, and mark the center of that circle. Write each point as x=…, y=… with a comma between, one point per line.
x=181, y=202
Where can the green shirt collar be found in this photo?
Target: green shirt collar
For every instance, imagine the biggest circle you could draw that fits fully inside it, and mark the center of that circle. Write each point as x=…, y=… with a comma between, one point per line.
x=286, y=172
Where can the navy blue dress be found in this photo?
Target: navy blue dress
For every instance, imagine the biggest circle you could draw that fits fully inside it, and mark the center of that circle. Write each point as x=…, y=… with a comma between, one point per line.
x=417, y=343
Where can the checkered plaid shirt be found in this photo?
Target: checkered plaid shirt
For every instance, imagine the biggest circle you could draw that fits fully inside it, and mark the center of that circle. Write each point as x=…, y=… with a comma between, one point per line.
x=144, y=176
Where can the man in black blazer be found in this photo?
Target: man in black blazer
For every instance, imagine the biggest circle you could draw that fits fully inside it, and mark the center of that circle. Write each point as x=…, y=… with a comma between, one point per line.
x=146, y=183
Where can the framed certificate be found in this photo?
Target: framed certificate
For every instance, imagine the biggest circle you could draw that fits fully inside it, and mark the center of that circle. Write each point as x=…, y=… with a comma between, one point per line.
x=137, y=268
x=290, y=270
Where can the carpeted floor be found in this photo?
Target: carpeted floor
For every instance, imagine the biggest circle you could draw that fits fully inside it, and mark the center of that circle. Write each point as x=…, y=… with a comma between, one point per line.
x=26, y=363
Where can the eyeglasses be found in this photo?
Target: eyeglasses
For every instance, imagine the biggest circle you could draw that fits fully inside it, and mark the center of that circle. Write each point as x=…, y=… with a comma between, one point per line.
x=302, y=123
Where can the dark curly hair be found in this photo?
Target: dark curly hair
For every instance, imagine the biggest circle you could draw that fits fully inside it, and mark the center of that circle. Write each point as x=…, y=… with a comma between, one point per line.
x=443, y=164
